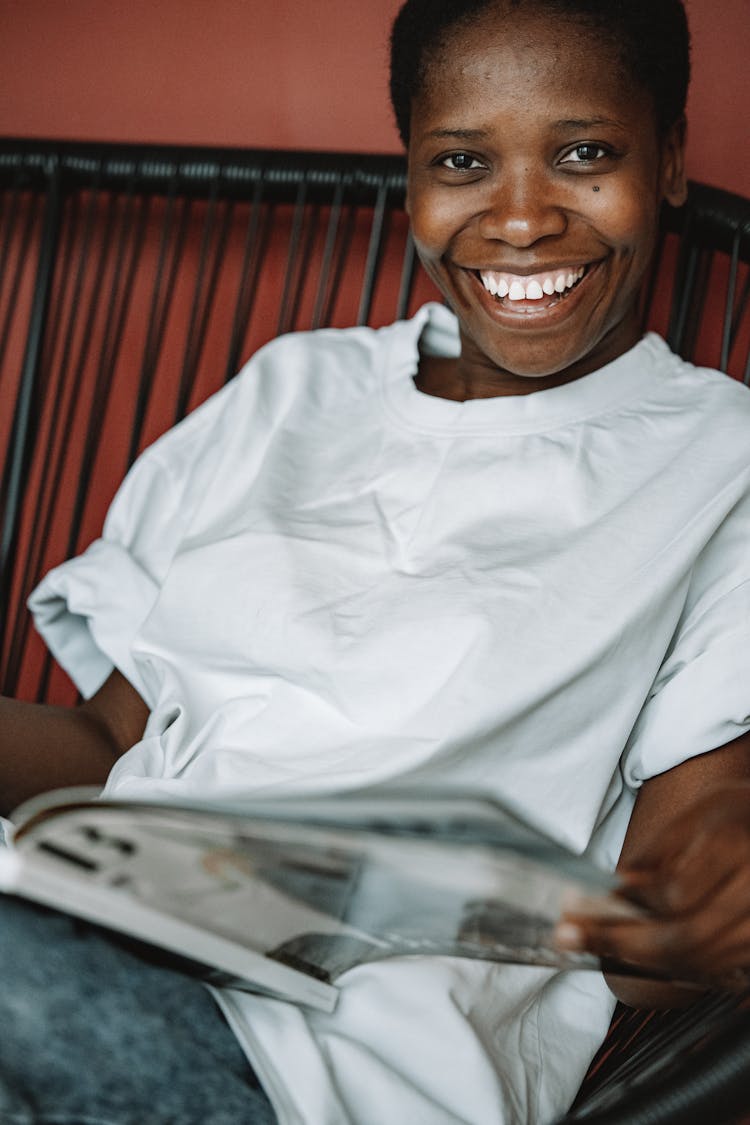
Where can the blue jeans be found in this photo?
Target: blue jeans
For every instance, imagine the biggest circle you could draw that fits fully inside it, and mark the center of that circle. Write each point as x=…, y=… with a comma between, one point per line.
x=97, y=1032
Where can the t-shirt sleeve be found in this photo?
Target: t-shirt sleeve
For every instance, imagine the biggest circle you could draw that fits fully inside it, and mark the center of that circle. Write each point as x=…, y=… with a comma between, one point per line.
x=89, y=609
x=700, y=698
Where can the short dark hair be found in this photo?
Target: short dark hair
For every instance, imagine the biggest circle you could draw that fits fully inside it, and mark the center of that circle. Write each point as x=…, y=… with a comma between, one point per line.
x=650, y=36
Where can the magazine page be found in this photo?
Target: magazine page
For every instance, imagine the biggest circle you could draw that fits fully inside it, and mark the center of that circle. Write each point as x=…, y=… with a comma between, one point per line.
x=320, y=897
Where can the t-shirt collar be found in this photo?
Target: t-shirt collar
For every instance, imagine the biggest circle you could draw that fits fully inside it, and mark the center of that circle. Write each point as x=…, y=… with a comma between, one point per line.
x=434, y=331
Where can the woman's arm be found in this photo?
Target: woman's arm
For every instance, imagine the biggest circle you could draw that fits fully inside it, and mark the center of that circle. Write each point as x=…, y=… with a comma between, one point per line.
x=44, y=747
x=687, y=857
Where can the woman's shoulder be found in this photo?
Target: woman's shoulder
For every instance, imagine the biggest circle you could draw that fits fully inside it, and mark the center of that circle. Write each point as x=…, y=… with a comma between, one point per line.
x=698, y=380
x=707, y=405
x=329, y=344
x=331, y=364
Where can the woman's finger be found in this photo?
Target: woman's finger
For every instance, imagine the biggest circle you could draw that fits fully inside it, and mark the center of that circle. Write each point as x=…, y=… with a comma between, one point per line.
x=662, y=947
x=713, y=851
x=710, y=940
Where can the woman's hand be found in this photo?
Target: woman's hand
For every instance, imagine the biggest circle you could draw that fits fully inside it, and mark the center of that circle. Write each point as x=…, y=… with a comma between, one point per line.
x=696, y=887
x=686, y=857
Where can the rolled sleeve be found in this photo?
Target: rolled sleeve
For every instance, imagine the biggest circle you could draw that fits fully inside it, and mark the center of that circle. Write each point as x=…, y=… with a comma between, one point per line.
x=701, y=698
x=89, y=610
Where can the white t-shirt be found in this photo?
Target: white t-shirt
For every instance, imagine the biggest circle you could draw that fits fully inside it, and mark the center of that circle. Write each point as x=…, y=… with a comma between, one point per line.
x=324, y=578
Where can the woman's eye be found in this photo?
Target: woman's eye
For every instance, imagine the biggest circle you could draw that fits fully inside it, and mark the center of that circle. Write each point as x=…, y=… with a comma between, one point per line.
x=586, y=154
x=461, y=162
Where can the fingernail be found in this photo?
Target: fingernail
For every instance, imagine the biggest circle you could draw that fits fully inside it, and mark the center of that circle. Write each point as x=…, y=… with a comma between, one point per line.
x=568, y=936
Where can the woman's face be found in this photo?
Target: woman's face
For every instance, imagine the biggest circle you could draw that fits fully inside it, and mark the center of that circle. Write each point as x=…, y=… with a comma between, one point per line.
x=536, y=175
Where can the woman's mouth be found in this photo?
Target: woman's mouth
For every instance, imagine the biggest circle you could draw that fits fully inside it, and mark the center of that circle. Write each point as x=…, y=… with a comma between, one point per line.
x=533, y=292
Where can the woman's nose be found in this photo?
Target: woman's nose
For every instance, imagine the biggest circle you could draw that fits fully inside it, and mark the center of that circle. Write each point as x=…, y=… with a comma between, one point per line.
x=521, y=209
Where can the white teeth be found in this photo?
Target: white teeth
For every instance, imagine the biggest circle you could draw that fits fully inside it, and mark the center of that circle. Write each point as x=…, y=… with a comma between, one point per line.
x=531, y=289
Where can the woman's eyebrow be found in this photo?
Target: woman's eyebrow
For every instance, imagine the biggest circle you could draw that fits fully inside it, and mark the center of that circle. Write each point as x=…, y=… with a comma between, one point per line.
x=565, y=123
x=588, y=122
x=460, y=134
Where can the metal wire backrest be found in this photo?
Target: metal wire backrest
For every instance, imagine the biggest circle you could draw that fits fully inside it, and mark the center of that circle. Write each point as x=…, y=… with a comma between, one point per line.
x=699, y=291
x=135, y=280
x=133, y=283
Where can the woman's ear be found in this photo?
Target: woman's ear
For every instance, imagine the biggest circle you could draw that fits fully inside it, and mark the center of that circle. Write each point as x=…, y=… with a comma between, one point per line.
x=673, y=178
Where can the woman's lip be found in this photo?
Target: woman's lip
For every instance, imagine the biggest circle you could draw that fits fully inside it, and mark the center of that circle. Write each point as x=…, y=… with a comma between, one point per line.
x=530, y=313
x=538, y=270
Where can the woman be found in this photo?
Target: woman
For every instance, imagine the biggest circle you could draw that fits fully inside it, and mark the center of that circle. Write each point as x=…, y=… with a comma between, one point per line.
x=499, y=546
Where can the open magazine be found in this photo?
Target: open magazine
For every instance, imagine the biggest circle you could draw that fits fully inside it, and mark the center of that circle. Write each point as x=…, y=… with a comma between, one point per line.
x=282, y=897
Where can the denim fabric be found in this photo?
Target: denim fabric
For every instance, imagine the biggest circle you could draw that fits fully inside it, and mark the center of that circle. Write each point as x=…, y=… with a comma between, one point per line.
x=94, y=1033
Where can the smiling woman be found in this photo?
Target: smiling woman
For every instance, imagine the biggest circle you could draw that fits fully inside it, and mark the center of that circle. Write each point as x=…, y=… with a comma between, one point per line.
x=500, y=547
x=543, y=274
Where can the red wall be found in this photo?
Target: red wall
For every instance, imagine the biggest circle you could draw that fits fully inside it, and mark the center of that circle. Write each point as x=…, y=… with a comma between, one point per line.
x=283, y=74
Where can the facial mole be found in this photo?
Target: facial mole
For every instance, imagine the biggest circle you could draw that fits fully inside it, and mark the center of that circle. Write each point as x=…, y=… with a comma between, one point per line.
x=595, y=188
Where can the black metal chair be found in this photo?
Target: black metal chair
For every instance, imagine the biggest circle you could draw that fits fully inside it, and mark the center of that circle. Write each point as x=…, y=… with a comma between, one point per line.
x=134, y=280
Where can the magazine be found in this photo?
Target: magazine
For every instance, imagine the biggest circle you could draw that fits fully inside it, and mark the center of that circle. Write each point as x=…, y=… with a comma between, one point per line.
x=284, y=896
